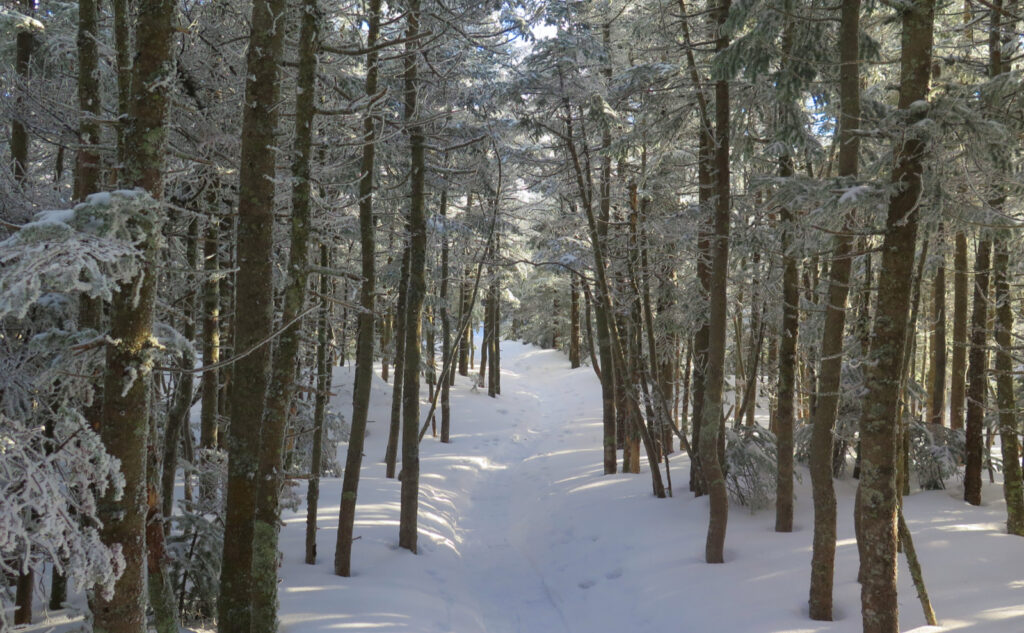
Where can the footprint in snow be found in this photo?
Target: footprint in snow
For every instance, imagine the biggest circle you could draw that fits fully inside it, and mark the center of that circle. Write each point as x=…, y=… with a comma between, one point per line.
x=613, y=574
x=586, y=584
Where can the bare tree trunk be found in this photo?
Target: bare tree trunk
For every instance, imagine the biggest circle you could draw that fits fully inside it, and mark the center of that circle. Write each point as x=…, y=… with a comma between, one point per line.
x=446, y=330
x=574, y=323
x=160, y=591
x=714, y=476
x=23, y=597
x=417, y=289
x=253, y=316
x=281, y=389
x=394, y=429
x=705, y=167
x=937, y=369
x=24, y=44
x=126, y=402
x=977, y=378
x=211, y=335
x=877, y=498
x=364, y=348
x=323, y=388
x=957, y=381
x=787, y=365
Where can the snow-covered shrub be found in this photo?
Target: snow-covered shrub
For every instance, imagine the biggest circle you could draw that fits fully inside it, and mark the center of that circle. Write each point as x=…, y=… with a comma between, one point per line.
x=196, y=541
x=936, y=453
x=53, y=465
x=91, y=248
x=751, y=455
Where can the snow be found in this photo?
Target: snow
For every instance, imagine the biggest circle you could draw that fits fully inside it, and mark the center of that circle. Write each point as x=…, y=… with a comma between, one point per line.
x=521, y=531
x=852, y=194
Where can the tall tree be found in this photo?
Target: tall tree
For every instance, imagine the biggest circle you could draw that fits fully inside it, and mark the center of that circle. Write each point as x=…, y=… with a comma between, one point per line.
x=254, y=313
x=124, y=425
x=24, y=44
x=829, y=385
x=977, y=375
x=364, y=346
x=417, y=285
x=281, y=388
x=711, y=460
x=877, y=498
x=958, y=368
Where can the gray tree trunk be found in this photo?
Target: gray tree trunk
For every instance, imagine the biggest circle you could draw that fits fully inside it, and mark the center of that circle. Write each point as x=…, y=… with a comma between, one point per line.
x=877, y=495
x=364, y=346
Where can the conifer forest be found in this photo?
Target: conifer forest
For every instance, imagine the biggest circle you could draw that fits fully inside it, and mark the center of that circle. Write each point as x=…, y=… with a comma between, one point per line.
x=548, y=316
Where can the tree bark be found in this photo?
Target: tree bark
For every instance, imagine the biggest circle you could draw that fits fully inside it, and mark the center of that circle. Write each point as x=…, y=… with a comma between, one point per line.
x=211, y=335
x=714, y=476
x=446, y=328
x=957, y=381
x=830, y=383
x=24, y=44
x=253, y=316
x=281, y=389
x=364, y=348
x=786, y=392
x=126, y=406
x=877, y=498
x=705, y=178
x=323, y=388
x=937, y=369
x=395, y=427
x=977, y=378
x=417, y=288
x=23, y=592
x=574, y=323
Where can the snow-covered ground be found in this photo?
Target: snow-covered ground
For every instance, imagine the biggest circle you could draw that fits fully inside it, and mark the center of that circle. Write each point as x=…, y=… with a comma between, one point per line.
x=520, y=531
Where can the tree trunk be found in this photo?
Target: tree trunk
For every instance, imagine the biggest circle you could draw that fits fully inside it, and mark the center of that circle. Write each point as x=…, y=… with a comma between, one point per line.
x=574, y=323
x=937, y=369
x=160, y=591
x=957, y=381
x=417, y=288
x=787, y=365
x=254, y=318
x=281, y=389
x=977, y=377
x=126, y=405
x=446, y=329
x=705, y=169
x=1006, y=396
x=211, y=337
x=714, y=476
x=877, y=498
x=823, y=551
x=485, y=340
x=364, y=348
x=323, y=388
x=24, y=45
x=465, y=344
x=23, y=597
x=395, y=428
x=178, y=416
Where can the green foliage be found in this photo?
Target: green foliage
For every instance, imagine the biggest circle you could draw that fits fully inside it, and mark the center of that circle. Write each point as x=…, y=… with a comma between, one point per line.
x=936, y=453
x=751, y=455
x=196, y=541
x=90, y=249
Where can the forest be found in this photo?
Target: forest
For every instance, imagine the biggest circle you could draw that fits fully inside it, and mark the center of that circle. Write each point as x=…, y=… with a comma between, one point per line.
x=781, y=238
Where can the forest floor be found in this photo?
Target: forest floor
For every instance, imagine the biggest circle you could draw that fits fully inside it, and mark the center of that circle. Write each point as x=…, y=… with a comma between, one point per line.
x=521, y=531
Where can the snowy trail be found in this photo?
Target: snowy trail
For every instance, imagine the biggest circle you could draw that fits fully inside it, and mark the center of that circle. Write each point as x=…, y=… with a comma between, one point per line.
x=519, y=531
